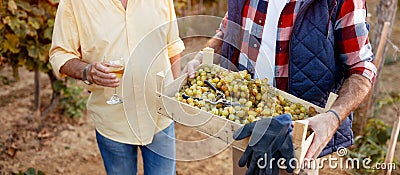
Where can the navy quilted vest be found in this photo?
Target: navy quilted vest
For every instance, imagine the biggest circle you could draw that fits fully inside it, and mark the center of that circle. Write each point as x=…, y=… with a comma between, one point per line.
x=315, y=70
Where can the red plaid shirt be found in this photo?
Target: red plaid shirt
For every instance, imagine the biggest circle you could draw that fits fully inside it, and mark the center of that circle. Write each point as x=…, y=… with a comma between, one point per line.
x=353, y=46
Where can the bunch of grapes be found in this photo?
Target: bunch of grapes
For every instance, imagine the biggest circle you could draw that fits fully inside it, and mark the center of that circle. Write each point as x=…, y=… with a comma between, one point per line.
x=257, y=100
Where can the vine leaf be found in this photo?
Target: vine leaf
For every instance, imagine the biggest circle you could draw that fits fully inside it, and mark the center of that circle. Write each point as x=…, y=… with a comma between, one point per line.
x=11, y=43
x=12, y=6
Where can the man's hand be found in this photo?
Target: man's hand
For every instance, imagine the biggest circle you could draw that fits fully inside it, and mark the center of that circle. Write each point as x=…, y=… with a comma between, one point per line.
x=192, y=65
x=323, y=132
x=325, y=125
x=100, y=74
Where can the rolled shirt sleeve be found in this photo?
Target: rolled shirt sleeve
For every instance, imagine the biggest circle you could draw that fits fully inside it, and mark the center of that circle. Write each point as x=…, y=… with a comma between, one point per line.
x=65, y=41
x=175, y=44
x=351, y=31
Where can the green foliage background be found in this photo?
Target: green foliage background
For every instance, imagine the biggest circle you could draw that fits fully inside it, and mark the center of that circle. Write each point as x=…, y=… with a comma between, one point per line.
x=26, y=31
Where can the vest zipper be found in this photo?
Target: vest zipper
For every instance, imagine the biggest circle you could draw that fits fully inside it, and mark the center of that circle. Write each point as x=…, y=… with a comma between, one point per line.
x=334, y=3
x=301, y=12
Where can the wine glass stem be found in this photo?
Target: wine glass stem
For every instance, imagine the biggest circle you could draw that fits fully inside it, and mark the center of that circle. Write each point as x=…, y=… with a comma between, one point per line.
x=115, y=90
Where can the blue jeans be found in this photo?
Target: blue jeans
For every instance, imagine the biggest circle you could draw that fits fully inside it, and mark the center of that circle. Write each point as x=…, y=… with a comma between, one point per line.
x=158, y=157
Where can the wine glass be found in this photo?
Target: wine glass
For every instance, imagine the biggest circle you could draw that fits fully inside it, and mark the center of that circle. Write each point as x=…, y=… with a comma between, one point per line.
x=117, y=66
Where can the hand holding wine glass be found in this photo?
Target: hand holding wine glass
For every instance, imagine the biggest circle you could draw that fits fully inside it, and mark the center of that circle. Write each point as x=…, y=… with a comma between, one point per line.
x=116, y=66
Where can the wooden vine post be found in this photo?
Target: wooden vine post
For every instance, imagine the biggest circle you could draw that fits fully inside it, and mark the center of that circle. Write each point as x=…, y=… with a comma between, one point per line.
x=392, y=146
x=386, y=13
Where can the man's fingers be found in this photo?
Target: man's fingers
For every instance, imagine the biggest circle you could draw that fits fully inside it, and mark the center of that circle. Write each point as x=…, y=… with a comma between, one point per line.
x=102, y=76
x=102, y=72
x=100, y=67
x=106, y=82
x=185, y=69
x=313, y=152
x=191, y=71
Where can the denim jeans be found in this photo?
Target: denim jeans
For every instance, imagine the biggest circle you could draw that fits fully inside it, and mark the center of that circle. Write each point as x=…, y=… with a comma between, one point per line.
x=158, y=157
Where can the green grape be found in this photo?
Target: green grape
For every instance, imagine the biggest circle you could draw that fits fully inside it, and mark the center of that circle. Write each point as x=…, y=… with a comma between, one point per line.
x=254, y=91
x=224, y=88
x=246, y=109
x=219, y=84
x=215, y=111
x=201, y=103
x=203, y=78
x=190, y=100
x=260, y=105
x=281, y=98
x=200, y=83
x=303, y=109
x=243, y=88
x=251, y=118
x=232, y=117
x=211, y=96
x=301, y=116
x=252, y=113
x=235, y=88
x=248, y=104
x=242, y=101
x=215, y=80
x=264, y=97
x=179, y=98
x=259, y=110
x=177, y=95
x=266, y=112
x=278, y=107
x=240, y=114
x=283, y=103
x=258, y=97
x=237, y=108
x=230, y=109
x=224, y=113
x=244, y=94
x=297, y=111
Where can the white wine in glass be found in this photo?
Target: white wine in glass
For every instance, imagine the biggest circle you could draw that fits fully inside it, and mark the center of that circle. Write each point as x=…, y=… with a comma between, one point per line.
x=116, y=66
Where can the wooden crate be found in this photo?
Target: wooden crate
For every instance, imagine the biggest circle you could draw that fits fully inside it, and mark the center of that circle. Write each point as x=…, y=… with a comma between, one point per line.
x=220, y=127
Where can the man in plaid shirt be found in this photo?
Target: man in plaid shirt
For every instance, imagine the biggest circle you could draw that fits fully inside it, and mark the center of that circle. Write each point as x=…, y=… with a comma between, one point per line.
x=308, y=48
